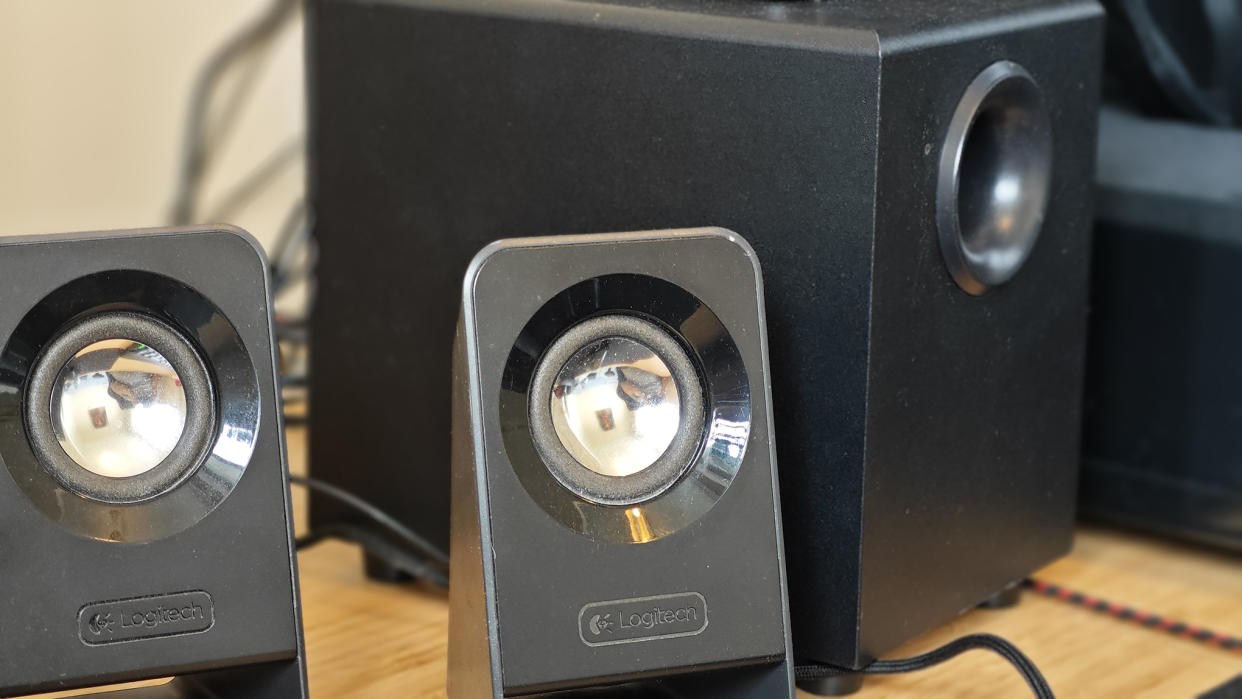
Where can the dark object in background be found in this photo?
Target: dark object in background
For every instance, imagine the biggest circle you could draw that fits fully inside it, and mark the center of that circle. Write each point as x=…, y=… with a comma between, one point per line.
x=928, y=437
x=1229, y=690
x=1162, y=438
x=660, y=569
x=1176, y=58
x=126, y=555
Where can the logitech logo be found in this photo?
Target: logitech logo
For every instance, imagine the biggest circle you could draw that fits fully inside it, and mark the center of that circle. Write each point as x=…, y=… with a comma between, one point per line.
x=600, y=624
x=642, y=619
x=153, y=616
x=100, y=624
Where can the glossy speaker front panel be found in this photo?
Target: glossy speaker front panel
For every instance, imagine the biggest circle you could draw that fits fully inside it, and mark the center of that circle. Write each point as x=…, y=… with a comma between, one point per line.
x=69, y=594
x=548, y=582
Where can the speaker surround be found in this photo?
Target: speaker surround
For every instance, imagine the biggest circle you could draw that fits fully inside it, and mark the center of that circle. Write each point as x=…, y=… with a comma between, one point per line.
x=575, y=468
x=629, y=323
x=143, y=468
x=43, y=409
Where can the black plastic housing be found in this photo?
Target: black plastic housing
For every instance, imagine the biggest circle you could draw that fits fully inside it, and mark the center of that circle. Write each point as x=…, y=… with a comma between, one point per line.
x=928, y=438
x=524, y=583
x=216, y=586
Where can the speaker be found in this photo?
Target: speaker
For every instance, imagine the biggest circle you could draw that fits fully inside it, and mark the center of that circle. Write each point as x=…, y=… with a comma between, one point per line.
x=144, y=502
x=1162, y=434
x=915, y=178
x=615, y=514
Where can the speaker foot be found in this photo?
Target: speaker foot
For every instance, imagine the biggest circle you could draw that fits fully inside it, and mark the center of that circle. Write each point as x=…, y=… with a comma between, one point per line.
x=835, y=686
x=282, y=678
x=380, y=570
x=1003, y=599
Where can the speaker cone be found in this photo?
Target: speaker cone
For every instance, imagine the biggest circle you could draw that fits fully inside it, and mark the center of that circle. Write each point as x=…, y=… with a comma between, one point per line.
x=615, y=407
x=118, y=408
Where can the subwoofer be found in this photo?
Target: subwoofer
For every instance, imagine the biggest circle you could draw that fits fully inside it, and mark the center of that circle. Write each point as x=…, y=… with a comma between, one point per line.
x=914, y=177
x=616, y=524
x=144, y=501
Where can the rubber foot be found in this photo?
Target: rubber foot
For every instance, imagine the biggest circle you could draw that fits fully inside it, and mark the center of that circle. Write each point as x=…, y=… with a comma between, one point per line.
x=835, y=686
x=1003, y=599
x=378, y=569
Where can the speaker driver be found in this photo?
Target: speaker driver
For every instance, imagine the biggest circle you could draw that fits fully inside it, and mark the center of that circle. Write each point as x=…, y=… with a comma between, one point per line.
x=129, y=405
x=625, y=408
x=119, y=408
x=616, y=409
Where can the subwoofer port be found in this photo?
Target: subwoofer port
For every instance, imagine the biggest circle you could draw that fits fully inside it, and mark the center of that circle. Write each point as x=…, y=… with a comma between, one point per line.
x=994, y=177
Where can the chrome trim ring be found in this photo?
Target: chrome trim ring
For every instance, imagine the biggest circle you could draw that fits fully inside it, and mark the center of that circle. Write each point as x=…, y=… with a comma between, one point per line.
x=726, y=407
x=231, y=374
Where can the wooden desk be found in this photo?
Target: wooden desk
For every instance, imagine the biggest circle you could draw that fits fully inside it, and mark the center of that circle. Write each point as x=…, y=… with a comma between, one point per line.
x=367, y=639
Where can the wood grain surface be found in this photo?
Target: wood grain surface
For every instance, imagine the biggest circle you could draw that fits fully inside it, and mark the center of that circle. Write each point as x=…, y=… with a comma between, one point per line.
x=367, y=639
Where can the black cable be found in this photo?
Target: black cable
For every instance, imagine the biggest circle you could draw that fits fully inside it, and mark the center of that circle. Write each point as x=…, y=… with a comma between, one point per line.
x=376, y=515
x=261, y=176
x=304, y=273
x=1168, y=68
x=195, y=156
x=293, y=381
x=294, y=330
x=295, y=236
x=215, y=134
x=292, y=280
x=293, y=232
x=381, y=548
x=978, y=641
x=1225, y=22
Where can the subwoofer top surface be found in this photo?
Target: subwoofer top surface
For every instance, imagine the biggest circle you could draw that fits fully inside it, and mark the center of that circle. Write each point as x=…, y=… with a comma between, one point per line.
x=853, y=25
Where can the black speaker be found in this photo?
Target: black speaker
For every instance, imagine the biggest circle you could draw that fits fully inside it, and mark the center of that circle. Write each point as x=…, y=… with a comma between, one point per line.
x=144, y=502
x=914, y=177
x=1162, y=435
x=615, y=513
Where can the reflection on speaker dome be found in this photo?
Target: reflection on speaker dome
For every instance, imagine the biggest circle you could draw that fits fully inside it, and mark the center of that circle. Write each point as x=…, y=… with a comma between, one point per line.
x=118, y=408
x=615, y=406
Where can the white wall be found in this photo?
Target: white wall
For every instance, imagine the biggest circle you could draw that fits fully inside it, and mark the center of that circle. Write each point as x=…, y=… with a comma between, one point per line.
x=93, y=97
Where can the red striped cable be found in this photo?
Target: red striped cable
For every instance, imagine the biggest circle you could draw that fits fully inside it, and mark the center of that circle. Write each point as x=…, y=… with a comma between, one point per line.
x=1137, y=616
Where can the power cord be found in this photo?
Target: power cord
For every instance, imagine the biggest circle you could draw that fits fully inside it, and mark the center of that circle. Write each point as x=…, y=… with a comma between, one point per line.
x=430, y=563
x=977, y=641
x=253, y=184
x=1145, y=619
x=380, y=547
x=202, y=139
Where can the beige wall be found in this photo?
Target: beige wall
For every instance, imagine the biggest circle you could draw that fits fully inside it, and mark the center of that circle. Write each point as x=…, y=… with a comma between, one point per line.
x=93, y=96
